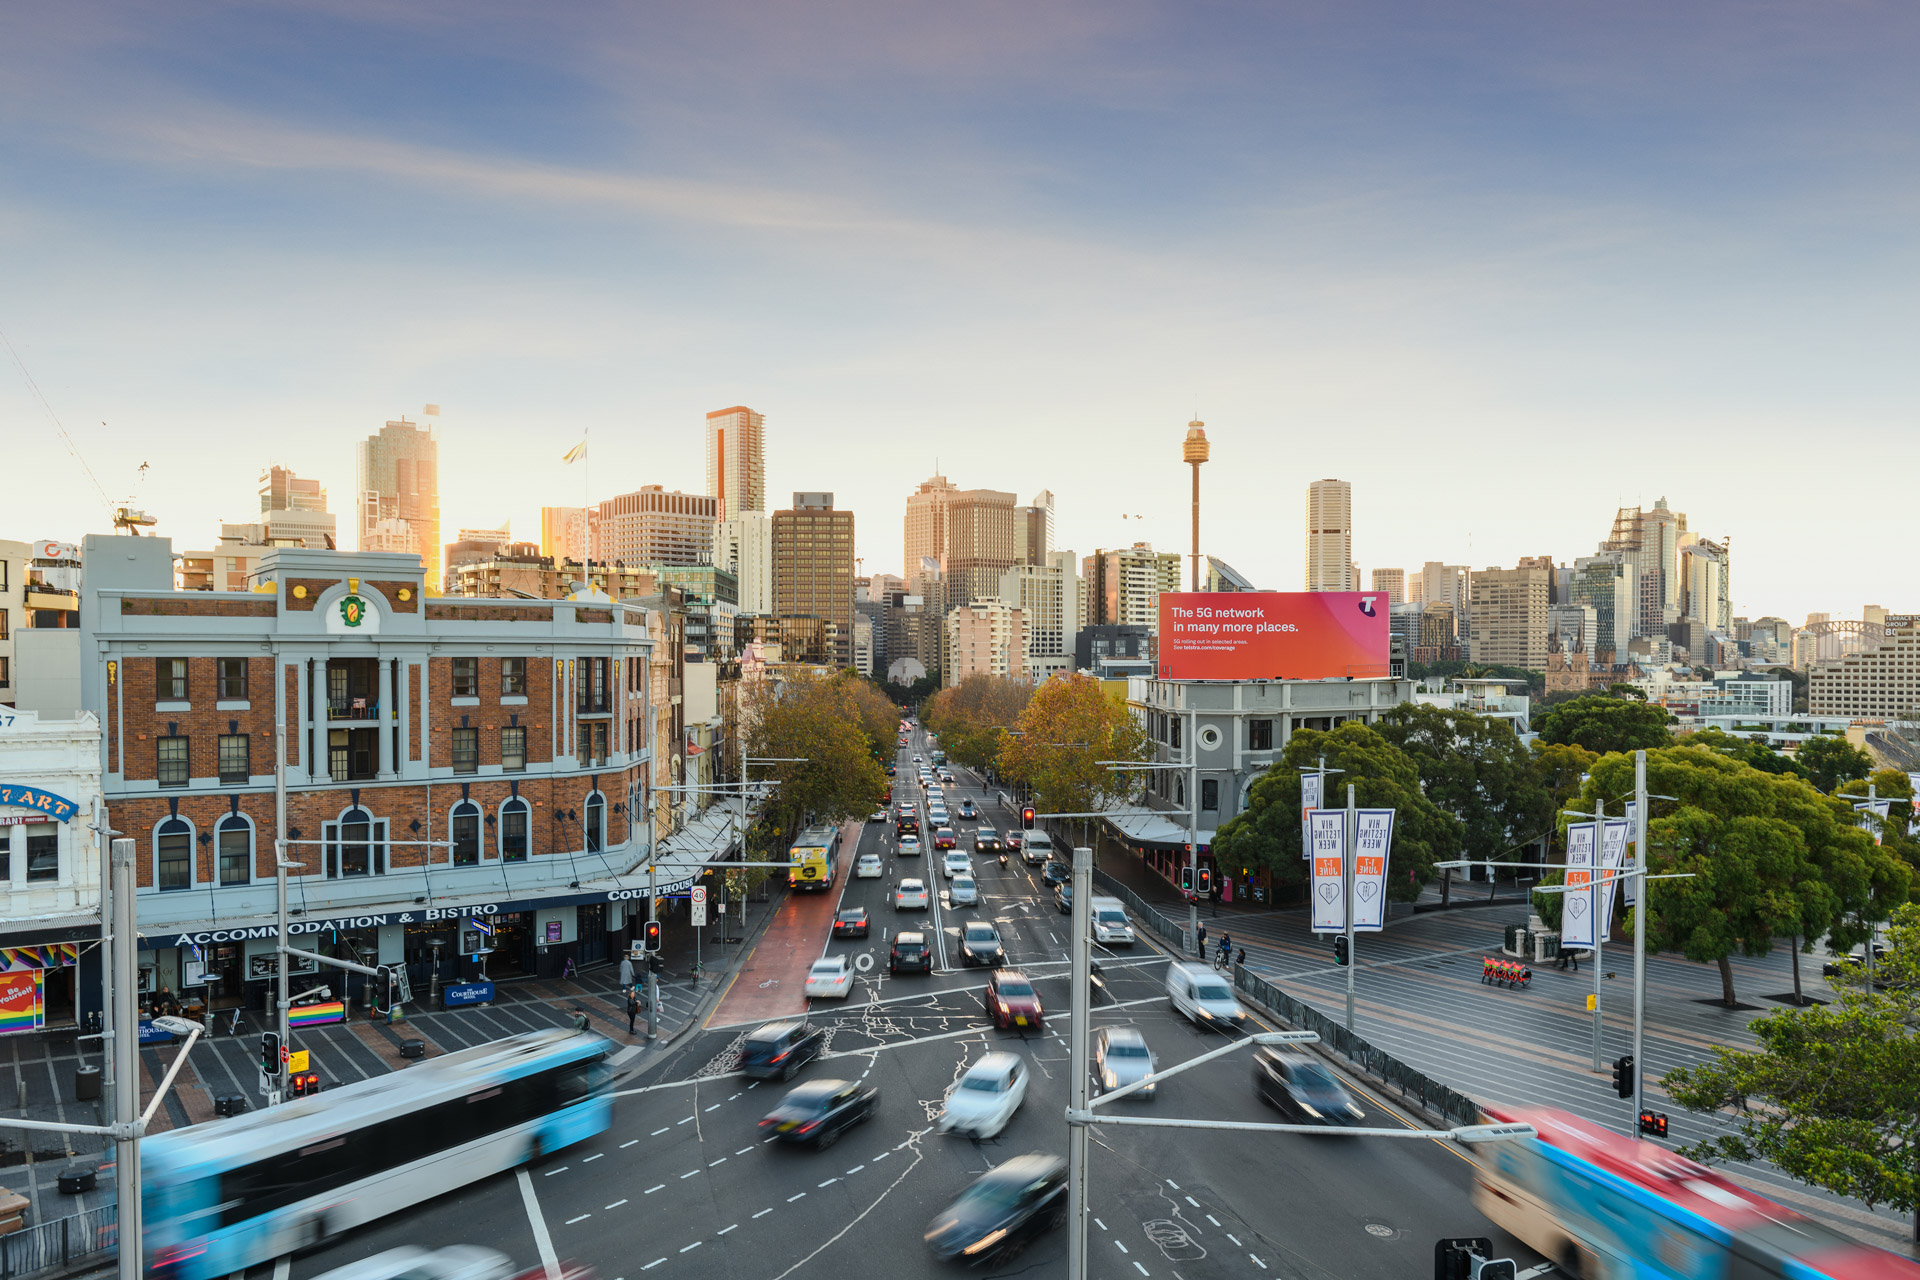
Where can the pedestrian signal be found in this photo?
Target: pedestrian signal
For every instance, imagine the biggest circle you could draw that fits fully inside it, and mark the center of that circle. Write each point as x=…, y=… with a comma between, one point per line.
x=305, y=1085
x=1654, y=1122
x=1340, y=953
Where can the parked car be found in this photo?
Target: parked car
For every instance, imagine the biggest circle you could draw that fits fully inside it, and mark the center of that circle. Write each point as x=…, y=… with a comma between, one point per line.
x=1203, y=996
x=1006, y=1209
x=778, y=1049
x=910, y=895
x=1120, y=1057
x=980, y=944
x=963, y=892
x=850, y=922
x=830, y=977
x=910, y=951
x=1301, y=1088
x=819, y=1111
x=1011, y=1001
x=982, y=1101
x=867, y=867
x=987, y=840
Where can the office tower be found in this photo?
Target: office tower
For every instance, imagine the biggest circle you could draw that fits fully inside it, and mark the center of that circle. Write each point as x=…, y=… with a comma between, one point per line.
x=968, y=531
x=1033, y=530
x=1392, y=583
x=1048, y=598
x=653, y=526
x=1330, y=536
x=1881, y=681
x=882, y=586
x=1124, y=587
x=1651, y=537
x=563, y=533
x=1572, y=626
x=1447, y=584
x=813, y=568
x=736, y=461
x=1222, y=576
x=1509, y=620
x=1553, y=577
x=744, y=544
x=984, y=637
x=397, y=480
x=1609, y=582
x=281, y=490
x=1704, y=587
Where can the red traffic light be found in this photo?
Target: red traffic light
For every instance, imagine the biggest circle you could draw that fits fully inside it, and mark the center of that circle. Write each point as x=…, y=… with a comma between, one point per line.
x=1026, y=818
x=305, y=1084
x=1206, y=880
x=650, y=936
x=1654, y=1122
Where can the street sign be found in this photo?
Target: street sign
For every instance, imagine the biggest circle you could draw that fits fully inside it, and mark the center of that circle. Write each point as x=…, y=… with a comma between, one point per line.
x=699, y=897
x=297, y=1061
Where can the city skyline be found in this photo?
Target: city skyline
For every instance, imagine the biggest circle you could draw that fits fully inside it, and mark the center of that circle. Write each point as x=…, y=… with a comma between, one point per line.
x=1488, y=274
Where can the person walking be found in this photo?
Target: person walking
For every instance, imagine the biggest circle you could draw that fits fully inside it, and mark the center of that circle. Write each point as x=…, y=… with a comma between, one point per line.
x=626, y=974
x=1203, y=938
x=633, y=1009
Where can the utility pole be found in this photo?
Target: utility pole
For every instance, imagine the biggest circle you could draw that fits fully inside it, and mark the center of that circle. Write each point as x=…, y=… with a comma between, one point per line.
x=1593, y=914
x=1193, y=807
x=1079, y=1003
x=126, y=1075
x=1347, y=864
x=108, y=966
x=282, y=999
x=1640, y=934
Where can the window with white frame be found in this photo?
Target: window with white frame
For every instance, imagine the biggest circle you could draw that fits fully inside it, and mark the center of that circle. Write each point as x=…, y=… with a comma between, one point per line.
x=464, y=824
x=356, y=845
x=42, y=841
x=173, y=855
x=233, y=845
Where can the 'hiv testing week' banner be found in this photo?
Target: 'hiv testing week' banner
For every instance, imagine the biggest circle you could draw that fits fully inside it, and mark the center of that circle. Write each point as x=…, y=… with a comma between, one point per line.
x=1273, y=635
x=1372, y=846
x=1577, y=903
x=1327, y=834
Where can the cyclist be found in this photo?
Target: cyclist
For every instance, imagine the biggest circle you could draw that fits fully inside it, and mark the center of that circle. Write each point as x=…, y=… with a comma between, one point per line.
x=1226, y=951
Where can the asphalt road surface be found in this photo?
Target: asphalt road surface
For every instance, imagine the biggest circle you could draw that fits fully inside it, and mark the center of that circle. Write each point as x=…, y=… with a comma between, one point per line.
x=684, y=1185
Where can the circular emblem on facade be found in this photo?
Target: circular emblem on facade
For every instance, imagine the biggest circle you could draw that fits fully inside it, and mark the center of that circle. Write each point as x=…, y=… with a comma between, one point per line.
x=406, y=593
x=352, y=610
x=299, y=592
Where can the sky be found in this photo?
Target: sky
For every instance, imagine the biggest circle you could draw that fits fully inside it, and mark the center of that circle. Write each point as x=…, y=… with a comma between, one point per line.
x=1504, y=266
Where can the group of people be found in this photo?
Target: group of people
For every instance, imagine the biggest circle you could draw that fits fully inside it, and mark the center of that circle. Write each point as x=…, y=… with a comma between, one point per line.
x=1224, y=957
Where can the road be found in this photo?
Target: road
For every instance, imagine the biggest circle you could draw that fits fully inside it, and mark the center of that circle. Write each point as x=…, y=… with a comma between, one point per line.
x=684, y=1185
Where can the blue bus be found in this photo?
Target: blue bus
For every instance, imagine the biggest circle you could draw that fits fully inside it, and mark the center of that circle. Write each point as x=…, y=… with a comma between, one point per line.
x=230, y=1194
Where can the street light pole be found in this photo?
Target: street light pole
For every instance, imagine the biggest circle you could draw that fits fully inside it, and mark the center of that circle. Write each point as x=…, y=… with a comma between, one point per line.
x=1640, y=934
x=1347, y=861
x=1593, y=914
x=282, y=999
x=126, y=1075
x=1079, y=1005
x=1193, y=815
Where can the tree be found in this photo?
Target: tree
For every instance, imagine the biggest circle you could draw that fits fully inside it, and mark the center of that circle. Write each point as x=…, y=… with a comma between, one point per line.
x=1069, y=725
x=1839, y=1086
x=971, y=717
x=814, y=725
x=1267, y=832
x=1476, y=768
x=1747, y=750
x=1603, y=724
x=1828, y=762
x=913, y=694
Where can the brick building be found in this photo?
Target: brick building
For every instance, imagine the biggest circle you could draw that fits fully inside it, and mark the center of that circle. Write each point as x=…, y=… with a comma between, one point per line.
x=446, y=760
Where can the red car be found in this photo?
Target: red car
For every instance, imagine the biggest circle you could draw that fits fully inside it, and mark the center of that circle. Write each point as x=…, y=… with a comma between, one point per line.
x=1012, y=1001
x=1012, y=840
x=851, y=923
x=943, y=838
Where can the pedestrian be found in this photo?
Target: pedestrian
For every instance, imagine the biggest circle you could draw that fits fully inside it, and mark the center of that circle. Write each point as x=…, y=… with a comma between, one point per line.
x=626, y=973
x=633, y=1010
x=1203, y=937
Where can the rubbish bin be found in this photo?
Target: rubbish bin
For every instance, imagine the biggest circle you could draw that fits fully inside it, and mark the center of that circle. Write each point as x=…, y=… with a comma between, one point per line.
x=86, y=1083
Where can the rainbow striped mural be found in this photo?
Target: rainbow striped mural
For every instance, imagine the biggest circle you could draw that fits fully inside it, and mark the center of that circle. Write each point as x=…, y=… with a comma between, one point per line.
x=21, y=1006
x=55, y=955
x=316, y=1015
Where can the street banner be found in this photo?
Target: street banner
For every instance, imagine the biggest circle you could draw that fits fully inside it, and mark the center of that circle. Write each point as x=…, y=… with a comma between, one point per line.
x=1613, y=855
x=1878, y=808
x=1630, y=887
x=1372, y=846
x=1576, y=907
x=1327, y=836
x=1309, y=801
x=301, y=1016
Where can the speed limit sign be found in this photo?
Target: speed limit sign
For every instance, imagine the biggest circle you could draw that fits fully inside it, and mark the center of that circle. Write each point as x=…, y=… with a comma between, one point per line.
x=699, y=904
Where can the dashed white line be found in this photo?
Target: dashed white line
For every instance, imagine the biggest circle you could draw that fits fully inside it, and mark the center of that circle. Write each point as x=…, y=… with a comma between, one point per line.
x=695, y=1245
x=721, y=1160
x=650, y=1190
x=582, y=1218
x=722, y=1231
x=1257, y=1262
x=1234, y=1238
x=882, y=1156
x=1215, y=1221
x=1099, y=1224
x=688, y=1120
x=688, y=1174
x=1143, y=1271
x=742, y=1151
x=616, y=1204
x=715, y=1107
x=562, y=1169
x=1193, y=1202
x=763, y=1213
x=651, y=1265
x=1122, y=1248
x=791, y=1199
x=631, y=1141
x=829, y=1182
x=857, y=1168
x=731, y=1097
x=595, y=1156
x=1173, y=1184
x=657, y=1132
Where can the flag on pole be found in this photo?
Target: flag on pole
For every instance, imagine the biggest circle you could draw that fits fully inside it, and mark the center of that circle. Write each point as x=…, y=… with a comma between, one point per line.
x=576, y=453
x=1372, y=846
x=1613, y=856
x=1576, y=904
x=1327, y=836
x=1309, y=801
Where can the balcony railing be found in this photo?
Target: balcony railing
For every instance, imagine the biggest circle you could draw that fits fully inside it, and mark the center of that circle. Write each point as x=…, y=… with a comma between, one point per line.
x=588, y=706
x=353, y=708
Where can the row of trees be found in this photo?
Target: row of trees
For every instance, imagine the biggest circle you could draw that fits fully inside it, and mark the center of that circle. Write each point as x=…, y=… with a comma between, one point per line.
x=831, y=734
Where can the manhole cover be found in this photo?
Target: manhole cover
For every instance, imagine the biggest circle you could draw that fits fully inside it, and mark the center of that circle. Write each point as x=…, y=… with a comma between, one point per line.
x=1380, y=1229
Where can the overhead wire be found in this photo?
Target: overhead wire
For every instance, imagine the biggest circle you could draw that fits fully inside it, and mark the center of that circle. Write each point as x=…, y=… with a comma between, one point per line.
x=66, y=437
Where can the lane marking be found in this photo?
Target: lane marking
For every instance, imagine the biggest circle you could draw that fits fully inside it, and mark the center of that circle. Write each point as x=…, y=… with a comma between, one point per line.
x=695, y=1245
x=650, y=1190
x=1215, y=1221
x=857, y=1168
x=1143, y=1270
x=651, y=1265
x=1257, y=1262
x=721, y=1160
x=724, y=1230
x=595, y=1156
x=742, y=1151
x=1193, y=1202
x=283, y=1266
x=688, y=1174
x=1099, y=1224
x=616, y=1204
x=1173, y=1184
x=763, y=1213
x=1122, y=1248
x=791, y=1199
x=882, y=1156
x=657, y=1132
x=715, y=1107
x=582, y=1218
x=688, y=1120
x=1234, y=1238
x=629, y=1142
x=549, y=1260
x=562, y=1169
x=829, y=1182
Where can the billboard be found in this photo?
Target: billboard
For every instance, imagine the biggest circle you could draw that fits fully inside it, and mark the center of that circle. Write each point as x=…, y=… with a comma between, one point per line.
x=1273, y=635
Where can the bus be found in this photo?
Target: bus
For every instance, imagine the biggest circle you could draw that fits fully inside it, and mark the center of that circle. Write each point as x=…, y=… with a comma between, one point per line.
x=812, y=859
x=220, y=1197
x=1602, y=1205
x=939, y=758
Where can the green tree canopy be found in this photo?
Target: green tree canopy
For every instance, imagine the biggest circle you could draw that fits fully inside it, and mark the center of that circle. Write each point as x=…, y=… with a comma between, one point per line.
x=1839, y=1086
x=1476, y=768
x=970, y=717
x=1267, y=833
x=1827, y=762
x=1747, y=750
x=1602, y=724
x=1070, y=724
x=815, y=725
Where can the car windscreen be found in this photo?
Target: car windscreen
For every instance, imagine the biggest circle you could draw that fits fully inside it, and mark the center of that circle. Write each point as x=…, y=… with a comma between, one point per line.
x=1111, y=916
x=1016, y=988
x=1211, y=991
x=1126, y=1049
x=1309, y=1076
x=981, y=933
x=984, y=1084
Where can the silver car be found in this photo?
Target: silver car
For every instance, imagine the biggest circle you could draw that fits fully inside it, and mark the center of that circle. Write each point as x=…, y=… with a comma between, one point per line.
x=1120, y=1057
x=455, y=1262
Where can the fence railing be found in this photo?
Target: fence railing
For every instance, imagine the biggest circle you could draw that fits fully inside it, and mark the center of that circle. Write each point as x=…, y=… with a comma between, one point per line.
x=62, y=1242
x=1444, y=1105
x=1143, y=911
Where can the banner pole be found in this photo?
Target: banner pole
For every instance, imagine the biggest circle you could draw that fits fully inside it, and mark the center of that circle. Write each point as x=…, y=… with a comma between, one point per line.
x=1353, y=961
x=1593, y=913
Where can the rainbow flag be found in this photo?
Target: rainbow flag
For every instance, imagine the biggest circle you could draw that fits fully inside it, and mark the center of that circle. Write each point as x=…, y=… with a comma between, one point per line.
x=20, y=1004
x=315, y=1015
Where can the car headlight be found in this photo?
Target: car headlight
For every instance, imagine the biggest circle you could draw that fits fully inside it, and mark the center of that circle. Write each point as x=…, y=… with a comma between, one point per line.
x=1309, y=1109
x=1354, y=1111
x=1205, y=1014
x=986, y=1241
x=1112, y=1081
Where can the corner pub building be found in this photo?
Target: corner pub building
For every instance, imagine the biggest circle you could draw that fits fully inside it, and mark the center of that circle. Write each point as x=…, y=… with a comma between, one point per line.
x=448, y=761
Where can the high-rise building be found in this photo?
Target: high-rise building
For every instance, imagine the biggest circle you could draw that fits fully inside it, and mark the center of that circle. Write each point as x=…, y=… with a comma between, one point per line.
x=652, y=525
x=1509, y=620
x=1124, y=587
x=1572, y=626
x=813, y=568
x=281, y=490
x=1704, y=584
x=397, y=482
x=471, y=546
x=736, y=461
x=1446, y=584
x=1330, y=536
x=969, y=531
x=744, y=544
x=563, y=533
x=1221, y=576
x=984, y=637
x=1609, y=582
x=1652, y=538
x=1392, y=583
x=1047, y=596
x=1033, y=530
x=1882, y=681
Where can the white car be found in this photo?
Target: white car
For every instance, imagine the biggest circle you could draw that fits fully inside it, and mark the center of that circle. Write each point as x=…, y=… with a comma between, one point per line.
x=916, y=757
x=982, y=1102
x=910, y=895
x=455, y=1262
x=957, y=863
x=937, y=815
x=878, y=815
x=830, y=976
x=909, y=846
x=963, y=892
x=868, y=867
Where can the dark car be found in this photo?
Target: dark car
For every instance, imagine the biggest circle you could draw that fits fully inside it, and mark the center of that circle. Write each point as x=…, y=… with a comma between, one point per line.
x=1063, y=897
x=980, y=944
x=819, y=1111
x=1012, y=1001
x=1301, y=1087
x=780, y=1048
x=910, y=951
x=987, y=840
x=850, y=923
x=1006, y=1209
x=1055, y=872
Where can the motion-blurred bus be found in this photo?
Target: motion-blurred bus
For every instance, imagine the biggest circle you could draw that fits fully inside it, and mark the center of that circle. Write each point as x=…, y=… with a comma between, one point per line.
x=223, y=1196
x=812, y=859
x=1605, y=1207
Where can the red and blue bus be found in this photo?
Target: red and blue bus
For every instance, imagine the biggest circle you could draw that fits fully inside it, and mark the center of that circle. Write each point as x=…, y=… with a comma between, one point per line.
x=1605, y=1207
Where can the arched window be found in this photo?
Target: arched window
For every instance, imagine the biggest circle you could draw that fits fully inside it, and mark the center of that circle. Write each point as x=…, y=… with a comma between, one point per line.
x=356, y=845
x=1180, y=789
x=465, y=825
x=515, y=821
x=233, y=840
x=173, y=854
x=596, y=822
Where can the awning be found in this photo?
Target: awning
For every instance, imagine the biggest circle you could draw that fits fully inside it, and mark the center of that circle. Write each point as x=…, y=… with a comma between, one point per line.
x=1155, y=831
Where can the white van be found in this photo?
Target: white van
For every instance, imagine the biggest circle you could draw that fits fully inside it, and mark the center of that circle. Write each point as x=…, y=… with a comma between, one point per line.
x=1036, y=847
x=1203, y=995
x=1110, y=924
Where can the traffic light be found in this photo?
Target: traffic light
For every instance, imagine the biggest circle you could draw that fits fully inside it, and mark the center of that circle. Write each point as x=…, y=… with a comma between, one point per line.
x=653, y=964
x=304, y=1085
x=1206, y=880
x=1654, y=1122
x=1340, y=953
x=1026, y=818
x=1469, y=1258
x=1623, y=1075
x=271, y=1054
x=1186, y=879
x=650, y=937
